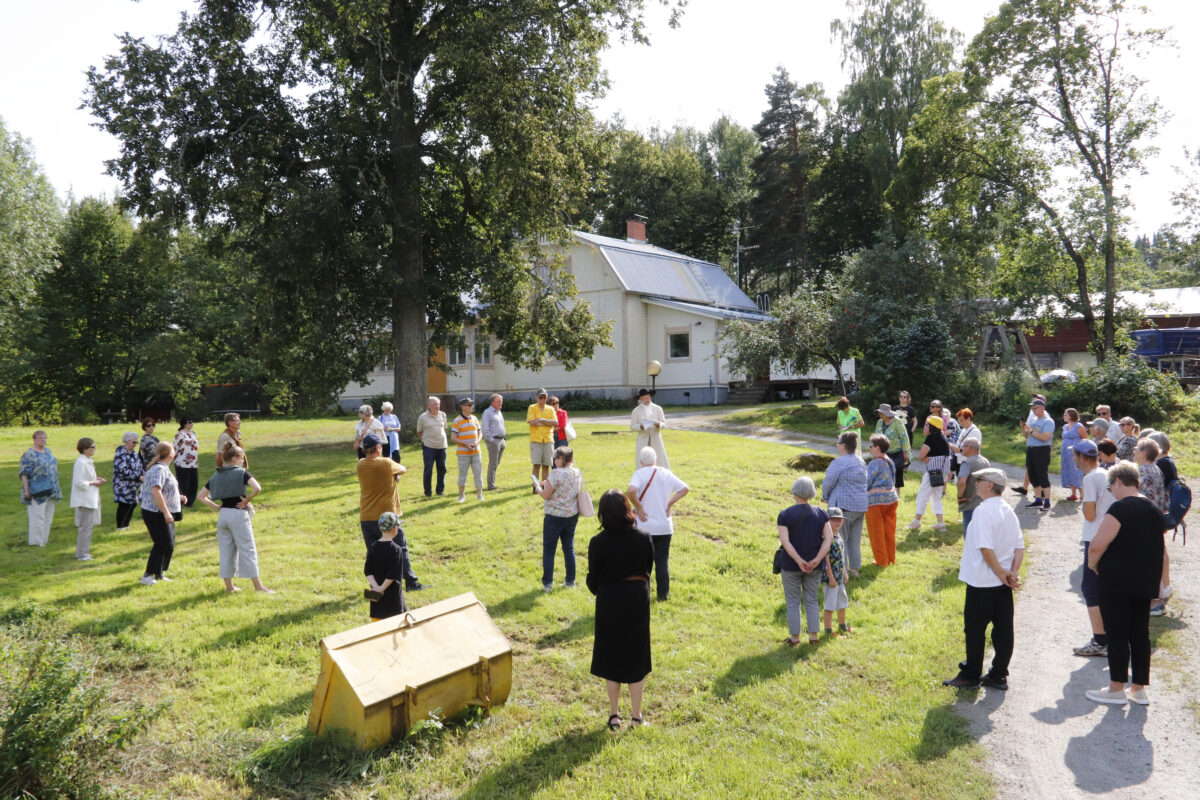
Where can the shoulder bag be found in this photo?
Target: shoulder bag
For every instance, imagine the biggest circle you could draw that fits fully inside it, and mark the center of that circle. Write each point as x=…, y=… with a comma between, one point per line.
x=583, y=500
x=569, y=429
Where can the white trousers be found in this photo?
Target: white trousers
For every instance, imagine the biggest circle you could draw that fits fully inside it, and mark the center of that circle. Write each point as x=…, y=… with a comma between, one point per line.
x=40, y=517
x=85, y=520
x=927, y=494
x=235, y=543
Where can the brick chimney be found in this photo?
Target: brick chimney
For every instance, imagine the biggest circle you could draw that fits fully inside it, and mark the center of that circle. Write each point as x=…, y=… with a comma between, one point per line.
x=635, y=229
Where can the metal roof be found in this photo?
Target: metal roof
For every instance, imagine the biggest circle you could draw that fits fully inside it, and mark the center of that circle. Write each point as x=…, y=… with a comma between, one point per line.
x=646, y=269
x=713, y=312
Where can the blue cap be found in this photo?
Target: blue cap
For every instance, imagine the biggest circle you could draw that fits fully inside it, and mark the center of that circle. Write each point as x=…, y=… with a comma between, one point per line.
x=1086, y=448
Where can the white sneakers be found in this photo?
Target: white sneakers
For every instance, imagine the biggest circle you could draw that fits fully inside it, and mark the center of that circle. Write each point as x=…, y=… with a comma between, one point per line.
x=147, y=580
x=1120, y=697
x=915, y=525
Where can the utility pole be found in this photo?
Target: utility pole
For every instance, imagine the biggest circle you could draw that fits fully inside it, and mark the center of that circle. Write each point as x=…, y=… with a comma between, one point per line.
x=737, y=252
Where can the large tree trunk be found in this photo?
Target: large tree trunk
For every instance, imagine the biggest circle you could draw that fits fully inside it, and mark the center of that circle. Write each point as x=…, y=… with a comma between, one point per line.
x=405, y=254
x=411, y=383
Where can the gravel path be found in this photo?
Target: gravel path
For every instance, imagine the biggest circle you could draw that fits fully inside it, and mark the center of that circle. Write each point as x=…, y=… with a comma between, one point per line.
x=1045, y=739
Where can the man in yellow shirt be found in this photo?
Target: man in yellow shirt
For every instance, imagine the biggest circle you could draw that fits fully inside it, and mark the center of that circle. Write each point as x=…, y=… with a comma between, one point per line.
x=542, y=421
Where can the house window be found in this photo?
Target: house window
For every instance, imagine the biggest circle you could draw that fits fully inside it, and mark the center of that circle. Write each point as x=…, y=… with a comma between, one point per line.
x=387, y=363
x=456, y=352
x=483, y=351
x=679, y=344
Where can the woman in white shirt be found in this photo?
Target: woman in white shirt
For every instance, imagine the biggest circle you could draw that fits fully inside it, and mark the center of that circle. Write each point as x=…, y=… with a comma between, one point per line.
x=85, y=497
x=652, y=491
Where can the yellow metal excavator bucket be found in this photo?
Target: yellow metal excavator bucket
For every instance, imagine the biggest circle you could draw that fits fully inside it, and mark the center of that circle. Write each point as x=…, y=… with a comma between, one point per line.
x=379, y=679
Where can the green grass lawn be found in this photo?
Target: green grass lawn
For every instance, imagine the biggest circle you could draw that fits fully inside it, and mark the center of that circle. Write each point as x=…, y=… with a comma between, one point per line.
x=734, y=713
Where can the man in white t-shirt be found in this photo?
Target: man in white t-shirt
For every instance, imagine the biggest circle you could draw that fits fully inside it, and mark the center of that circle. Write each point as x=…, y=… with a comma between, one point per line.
x=1096, y=500
x=652, y=491
x=991, y=561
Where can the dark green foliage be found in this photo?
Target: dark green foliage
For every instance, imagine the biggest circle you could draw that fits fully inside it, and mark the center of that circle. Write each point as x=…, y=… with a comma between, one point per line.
x=917, y=356
x=582, y=401
x=60, y=727
x=426, y=149
x=691, y=185
x=1128, y=385
x=793, y=149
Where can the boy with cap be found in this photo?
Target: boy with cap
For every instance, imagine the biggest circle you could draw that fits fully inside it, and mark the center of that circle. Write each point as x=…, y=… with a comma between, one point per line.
x=991, y=561
x=836, y=575
x=384, y=569
x=466, y=432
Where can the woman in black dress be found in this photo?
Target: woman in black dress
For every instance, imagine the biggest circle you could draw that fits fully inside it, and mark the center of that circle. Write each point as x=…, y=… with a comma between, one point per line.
x=619, y=562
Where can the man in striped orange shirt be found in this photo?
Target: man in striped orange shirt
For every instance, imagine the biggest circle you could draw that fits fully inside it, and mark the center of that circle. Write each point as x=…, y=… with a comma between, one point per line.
x=466, y=432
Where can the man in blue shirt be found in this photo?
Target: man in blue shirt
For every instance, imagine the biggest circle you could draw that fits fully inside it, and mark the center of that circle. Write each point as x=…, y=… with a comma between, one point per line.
x=1038, y=432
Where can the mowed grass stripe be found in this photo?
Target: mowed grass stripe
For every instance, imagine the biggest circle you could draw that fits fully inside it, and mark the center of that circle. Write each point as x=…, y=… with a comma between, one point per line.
x=733, y=712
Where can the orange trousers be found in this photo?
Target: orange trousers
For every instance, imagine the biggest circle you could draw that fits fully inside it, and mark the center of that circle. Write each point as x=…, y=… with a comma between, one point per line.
x=881, y=529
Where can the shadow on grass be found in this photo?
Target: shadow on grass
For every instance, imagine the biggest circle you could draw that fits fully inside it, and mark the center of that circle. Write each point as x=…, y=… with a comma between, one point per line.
x=946, y=579
x=265, y=715
x=928, y=538
x=264, y=627
x=516, y=604
x=749, y=670
x=308, y=766
x=525, y=775
x=123, y=621
x=580, y=627
x=943, y=731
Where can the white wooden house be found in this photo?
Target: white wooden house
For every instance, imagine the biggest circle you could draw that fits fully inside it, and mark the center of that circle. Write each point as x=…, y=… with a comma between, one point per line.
x=664, y=306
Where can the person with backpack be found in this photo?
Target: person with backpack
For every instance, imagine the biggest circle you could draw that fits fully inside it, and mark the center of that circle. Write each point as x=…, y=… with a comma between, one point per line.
x=1179, y=500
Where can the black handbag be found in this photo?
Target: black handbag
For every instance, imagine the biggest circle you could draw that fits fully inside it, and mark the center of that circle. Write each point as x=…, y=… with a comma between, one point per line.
x=777, y=564
x=937, y=478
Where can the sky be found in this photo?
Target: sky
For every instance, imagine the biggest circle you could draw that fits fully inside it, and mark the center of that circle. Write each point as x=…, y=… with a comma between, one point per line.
x=717, y=62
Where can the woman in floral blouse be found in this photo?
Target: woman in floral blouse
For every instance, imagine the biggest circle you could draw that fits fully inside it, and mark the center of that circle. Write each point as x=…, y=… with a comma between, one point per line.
x=39, y=488
x=149, y=443
x=1145, y=454
x=187, y=462
x=127, y=479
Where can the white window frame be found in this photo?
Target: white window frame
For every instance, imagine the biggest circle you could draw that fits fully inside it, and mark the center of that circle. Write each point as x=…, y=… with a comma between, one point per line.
x=676, y=330
x=482, y=341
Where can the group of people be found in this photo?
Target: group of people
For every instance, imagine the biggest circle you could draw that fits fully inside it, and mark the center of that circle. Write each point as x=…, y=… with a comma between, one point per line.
x=142, y=480
x=634, y=541
x=1126, y=508
x=1123, y=475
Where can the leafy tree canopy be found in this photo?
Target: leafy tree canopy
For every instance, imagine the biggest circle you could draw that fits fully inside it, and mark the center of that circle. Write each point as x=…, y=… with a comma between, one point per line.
x=381, y=160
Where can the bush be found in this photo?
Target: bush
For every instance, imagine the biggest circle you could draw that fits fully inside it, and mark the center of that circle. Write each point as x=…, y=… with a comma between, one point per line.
x=582, y=401
x=59, y=727
x=1128, y=385
x=283, y=399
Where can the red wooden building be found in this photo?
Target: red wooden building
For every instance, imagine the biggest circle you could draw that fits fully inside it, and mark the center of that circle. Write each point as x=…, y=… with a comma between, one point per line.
x=1066, y=347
